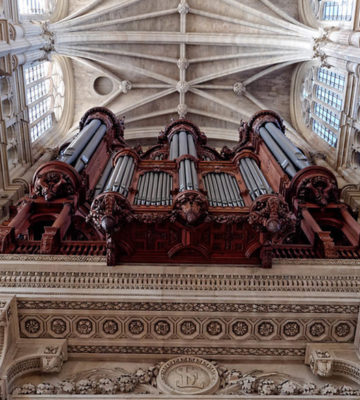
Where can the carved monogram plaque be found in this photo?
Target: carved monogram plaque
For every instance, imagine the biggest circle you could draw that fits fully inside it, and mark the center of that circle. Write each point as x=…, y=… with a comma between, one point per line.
x=188, y=375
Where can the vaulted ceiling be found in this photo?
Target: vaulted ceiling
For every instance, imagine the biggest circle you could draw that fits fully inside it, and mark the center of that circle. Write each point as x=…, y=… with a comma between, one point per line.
x=214, y=62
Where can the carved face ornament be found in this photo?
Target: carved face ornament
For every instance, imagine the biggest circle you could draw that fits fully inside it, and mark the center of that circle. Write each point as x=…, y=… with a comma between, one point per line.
x=52, y=185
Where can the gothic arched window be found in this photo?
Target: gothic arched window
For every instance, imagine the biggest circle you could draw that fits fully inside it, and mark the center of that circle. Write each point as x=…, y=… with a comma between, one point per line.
x=45, y=96
x=327, y=12
x=340, y=10
x=36, y=9
x=323, y=92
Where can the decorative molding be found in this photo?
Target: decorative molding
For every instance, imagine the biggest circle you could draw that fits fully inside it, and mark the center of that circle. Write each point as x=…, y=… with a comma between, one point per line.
x=325, y=363
x=274, y=352
x=177, y=281
x=185, y=376
x=275, y=327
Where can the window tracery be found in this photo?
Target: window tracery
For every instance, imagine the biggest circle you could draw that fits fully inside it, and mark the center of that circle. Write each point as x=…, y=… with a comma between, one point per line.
x=334, y=10
x=36, y=9
x=337, y=10
x=323, y=93
x=45, y=90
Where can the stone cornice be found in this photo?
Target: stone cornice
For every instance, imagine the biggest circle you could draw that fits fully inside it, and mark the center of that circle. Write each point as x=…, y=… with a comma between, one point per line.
x=79, y=278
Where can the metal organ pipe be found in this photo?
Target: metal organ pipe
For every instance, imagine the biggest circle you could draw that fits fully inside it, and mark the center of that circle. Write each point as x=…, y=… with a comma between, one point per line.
x=104, y=177
x=182, y=143
x=223, y=190
x=90, y=148
x=121, y=176
x=294, y=154
x=254, y=179
x=74, y=149
x=174, y=147
x=280, y=156
x=154, y=189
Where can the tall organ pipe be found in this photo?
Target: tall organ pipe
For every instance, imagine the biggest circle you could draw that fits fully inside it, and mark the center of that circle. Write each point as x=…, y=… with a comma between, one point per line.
x=126, y=181
x=182, y=143
x=121, y=176
x=90, y=148
x=294, y=154
x=254, y=178
x=104, y=177
x=280, y=156
x=120, y=173
x=174, y=147
x=254, y=170
x=249, y=180
x=78, y=144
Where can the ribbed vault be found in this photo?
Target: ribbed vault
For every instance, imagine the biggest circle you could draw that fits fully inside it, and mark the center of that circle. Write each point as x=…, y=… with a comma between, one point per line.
x=212, y=62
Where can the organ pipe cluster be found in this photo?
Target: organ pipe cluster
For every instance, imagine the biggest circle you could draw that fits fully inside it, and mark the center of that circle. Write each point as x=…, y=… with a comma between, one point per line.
x=223, y=190
x=287, y=155
x=154, y=189
x=81, y=149
x=121, y=176
x=182, y=143
x=254, y=179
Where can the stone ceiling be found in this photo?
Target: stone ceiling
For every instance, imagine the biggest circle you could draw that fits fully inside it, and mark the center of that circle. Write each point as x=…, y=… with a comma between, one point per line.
x=213, y=62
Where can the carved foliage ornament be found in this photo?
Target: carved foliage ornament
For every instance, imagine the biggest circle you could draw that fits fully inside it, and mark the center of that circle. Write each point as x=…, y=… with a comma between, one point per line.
x=186, y=375
x=108, y=210
x=191, y=206
x=270, y=213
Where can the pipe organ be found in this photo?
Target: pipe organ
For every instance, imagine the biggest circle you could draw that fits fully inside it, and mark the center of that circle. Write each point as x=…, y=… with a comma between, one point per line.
x=154, y=189
x=182, y=146
x=255, y=180
x=121, y=175
x=223, y=190
x=182, y=201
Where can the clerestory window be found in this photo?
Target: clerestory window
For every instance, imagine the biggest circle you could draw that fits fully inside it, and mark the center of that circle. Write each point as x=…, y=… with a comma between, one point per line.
x=324, y=94
x=36, y=9
x=341, y=10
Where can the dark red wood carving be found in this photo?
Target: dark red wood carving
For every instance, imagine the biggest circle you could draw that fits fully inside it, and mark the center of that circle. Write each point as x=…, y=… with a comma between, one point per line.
x=300, y=217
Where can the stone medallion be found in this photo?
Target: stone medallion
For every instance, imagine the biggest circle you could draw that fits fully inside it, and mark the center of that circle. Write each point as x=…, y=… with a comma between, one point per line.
x=188, y=375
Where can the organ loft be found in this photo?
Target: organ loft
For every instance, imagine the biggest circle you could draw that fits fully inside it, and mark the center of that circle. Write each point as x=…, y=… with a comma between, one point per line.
x=179, y=199
x=182, y=201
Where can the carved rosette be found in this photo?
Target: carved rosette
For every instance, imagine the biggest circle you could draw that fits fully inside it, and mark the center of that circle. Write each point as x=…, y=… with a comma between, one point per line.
x=55, y=180
x=270, y=213
x=109, y=210
x=190, y=206
x=315, y=185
